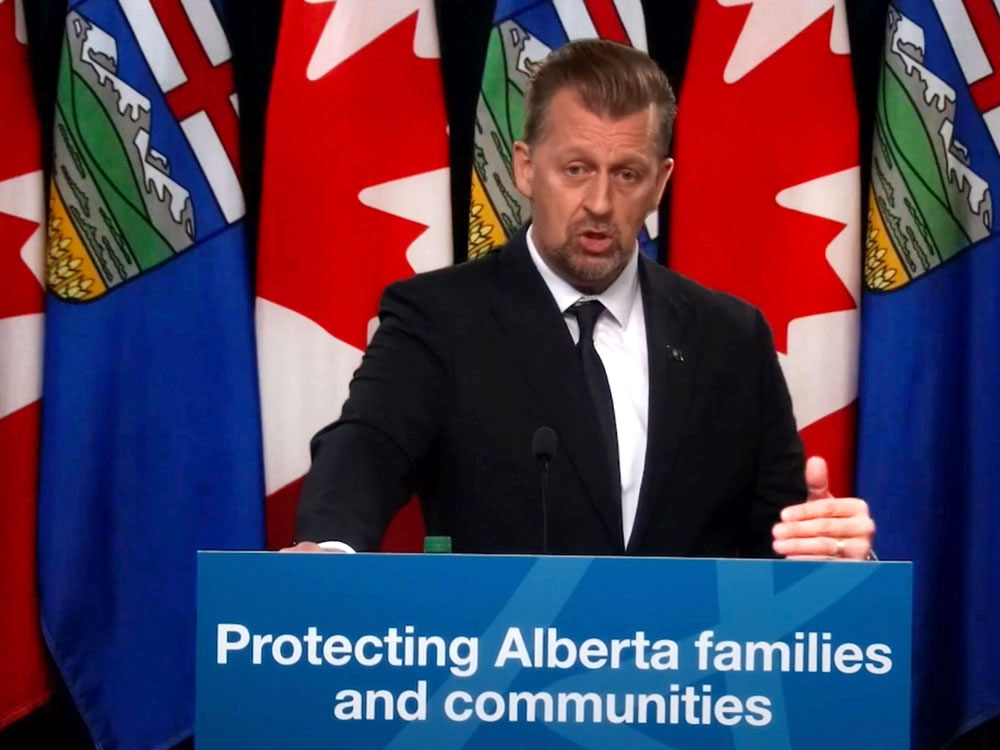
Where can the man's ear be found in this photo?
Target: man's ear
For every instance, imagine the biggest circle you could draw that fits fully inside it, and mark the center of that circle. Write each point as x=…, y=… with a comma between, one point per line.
x=524, y=168
x=663, y=172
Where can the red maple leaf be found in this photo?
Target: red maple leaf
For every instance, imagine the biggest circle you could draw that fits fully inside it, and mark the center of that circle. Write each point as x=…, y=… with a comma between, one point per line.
x=376, y=117
x=790, y=120
x=22, y=293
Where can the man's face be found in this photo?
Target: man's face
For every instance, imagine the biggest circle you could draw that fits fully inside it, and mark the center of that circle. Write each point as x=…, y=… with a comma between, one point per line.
x=591, y=181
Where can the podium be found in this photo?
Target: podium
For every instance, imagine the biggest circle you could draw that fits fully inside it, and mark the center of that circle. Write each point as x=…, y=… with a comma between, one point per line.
x=440, y=652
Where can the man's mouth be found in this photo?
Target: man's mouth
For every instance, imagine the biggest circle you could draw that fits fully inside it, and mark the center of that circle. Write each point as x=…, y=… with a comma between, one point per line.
x=595, y=240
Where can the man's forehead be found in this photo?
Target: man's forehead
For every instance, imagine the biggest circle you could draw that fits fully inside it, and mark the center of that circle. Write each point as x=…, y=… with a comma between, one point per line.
x=569, y=120
x=568, y=102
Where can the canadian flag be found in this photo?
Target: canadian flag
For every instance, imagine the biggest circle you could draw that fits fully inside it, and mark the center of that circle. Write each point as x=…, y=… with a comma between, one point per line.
x=766, y=195
x=23, y=679
x=356, y=195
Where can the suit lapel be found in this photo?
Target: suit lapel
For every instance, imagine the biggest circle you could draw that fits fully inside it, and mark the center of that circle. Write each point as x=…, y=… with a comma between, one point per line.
x=541, y=344
x=673, y=350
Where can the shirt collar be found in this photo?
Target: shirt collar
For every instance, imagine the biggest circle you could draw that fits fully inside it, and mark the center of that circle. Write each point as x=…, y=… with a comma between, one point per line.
x=618, y=299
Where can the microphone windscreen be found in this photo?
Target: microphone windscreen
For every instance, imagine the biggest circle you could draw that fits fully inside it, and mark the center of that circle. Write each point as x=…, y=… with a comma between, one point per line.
x=544, y=443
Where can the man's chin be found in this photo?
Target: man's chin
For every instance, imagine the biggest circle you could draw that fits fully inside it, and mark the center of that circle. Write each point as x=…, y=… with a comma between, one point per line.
x=598, y=271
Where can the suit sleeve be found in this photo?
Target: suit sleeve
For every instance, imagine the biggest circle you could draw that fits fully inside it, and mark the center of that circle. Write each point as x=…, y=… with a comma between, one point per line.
x=781, y=458
x=363, y=464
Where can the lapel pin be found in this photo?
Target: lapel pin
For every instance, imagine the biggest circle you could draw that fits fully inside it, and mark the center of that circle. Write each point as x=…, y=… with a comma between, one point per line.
x=675, y=354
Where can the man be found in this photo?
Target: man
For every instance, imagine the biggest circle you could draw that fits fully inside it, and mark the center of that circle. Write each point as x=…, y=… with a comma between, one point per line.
x=674, y=424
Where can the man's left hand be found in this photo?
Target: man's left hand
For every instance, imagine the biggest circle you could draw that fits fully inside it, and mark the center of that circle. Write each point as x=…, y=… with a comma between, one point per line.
x=824, y=527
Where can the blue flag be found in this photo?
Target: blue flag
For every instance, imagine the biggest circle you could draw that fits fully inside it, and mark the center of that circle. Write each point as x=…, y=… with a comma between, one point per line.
x=151, y=436
x=930, y=370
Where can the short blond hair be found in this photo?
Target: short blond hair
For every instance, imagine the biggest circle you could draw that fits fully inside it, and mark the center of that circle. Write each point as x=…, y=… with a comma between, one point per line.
x=611, y=80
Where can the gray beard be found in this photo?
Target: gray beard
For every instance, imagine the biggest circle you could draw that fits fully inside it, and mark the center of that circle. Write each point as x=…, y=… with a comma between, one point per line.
x=589, y=277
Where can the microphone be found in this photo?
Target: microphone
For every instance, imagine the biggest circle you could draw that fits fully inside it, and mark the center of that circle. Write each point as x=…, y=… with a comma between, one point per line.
x=543, y=447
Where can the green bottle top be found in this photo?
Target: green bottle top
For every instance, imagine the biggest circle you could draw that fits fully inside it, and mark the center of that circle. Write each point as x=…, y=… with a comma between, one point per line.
x=437, y=544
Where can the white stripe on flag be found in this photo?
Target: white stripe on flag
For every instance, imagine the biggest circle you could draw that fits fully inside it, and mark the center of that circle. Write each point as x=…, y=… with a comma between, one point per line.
x=212, y=157
x=21, y=335
x=20, y=28
x=630, y=11
x=234, y=99
x=209, y=29
x=304, y=378
x=653, y=224
x=575, y=19
x=992, y=120
x=964, y=40
x=21, y=339
x=156, y=48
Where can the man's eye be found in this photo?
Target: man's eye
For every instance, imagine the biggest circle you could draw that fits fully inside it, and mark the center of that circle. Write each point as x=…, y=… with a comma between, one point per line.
x=629, y=175
x=574, y=170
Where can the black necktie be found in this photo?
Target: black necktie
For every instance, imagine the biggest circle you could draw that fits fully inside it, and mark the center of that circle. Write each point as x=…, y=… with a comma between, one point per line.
x=586, y=313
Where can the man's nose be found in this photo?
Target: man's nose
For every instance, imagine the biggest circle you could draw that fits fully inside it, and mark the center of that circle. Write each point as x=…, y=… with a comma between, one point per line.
x=597, y=199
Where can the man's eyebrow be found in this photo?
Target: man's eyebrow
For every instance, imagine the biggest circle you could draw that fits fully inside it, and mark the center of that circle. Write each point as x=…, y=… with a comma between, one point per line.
x=578, y=151
x=571, y=148
x=631, y=161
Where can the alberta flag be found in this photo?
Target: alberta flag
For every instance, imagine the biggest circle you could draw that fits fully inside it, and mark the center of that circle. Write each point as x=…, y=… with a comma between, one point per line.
x=151, y=438
x=930, y=368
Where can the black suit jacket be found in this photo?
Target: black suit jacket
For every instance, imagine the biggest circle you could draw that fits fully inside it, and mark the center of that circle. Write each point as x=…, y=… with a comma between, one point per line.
x=470, y=360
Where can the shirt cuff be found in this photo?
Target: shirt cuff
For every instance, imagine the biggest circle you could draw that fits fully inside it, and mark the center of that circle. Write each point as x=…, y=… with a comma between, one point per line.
x=338, y=547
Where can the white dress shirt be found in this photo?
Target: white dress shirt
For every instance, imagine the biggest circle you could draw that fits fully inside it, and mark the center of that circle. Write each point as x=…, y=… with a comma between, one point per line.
x=620, y=340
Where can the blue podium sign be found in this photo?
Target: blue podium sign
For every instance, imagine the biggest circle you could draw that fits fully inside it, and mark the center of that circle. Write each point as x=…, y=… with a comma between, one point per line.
x=439, y=652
